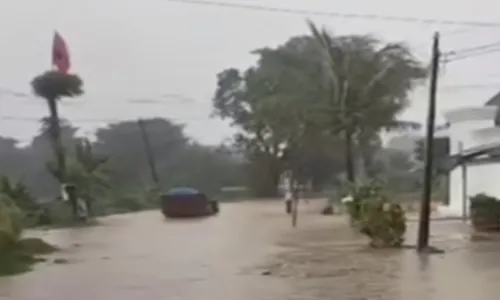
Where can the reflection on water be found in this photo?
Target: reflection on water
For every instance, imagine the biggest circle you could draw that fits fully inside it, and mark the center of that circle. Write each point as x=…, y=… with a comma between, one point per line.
x=142, y=255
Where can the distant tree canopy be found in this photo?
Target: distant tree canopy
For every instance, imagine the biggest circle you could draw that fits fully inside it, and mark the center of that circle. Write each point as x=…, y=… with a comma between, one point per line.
x=180, y=161
x=440, y=150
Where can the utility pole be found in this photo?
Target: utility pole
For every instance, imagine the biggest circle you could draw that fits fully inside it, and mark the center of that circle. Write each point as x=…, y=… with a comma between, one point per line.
x=464, y=184
x=149, y=152
x=425, y=206
x=295, y=199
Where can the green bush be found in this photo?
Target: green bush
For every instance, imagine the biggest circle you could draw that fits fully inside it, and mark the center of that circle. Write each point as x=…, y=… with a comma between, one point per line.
x=17, y=255
x=377, y=217
x=19, y=193
x=11, y=221
x=485, y=212
x=22, y=255
x=357, y=196
x=384, y=223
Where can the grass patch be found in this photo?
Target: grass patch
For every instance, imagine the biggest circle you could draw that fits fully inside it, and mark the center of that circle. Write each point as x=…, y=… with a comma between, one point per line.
x=71, y=224
x=23, y=255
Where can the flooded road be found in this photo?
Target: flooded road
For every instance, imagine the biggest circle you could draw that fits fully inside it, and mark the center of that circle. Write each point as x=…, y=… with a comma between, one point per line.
x=142, y=256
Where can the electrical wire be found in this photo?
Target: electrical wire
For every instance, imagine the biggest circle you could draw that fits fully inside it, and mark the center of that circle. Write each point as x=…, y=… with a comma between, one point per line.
x=101, y=120
x=461, y=88
x=473, y=85
x=472, y=49
x=471, y=54
x=448, y=56
x=373, y=17
x=37, y=120
x=165, y=99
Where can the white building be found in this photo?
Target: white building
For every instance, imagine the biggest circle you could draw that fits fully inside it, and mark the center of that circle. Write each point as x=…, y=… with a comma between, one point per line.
x=472, y=130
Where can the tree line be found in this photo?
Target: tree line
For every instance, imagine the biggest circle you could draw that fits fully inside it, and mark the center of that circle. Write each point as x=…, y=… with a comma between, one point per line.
x=114, y=167
x=315, y=105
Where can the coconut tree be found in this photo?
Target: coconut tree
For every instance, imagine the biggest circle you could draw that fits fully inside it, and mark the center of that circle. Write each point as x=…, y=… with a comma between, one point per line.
x=370, y=84
x=53, y=86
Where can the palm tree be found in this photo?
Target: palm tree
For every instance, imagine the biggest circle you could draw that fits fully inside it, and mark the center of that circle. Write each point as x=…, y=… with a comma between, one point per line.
x=53, y=86
x=370, y=85
x=88, y=173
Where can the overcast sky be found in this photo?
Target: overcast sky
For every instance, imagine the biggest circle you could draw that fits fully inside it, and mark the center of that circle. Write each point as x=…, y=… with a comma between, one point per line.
x=149, y=49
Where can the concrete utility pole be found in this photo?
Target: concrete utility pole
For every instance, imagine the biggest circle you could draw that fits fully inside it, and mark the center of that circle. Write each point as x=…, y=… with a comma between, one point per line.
x=149, y=152
x=425, y=207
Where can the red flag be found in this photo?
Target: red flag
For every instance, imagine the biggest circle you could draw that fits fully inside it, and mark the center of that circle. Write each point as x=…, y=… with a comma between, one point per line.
x=60, y=54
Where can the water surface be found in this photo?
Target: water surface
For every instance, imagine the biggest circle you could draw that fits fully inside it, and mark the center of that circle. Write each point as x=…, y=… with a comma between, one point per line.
x=142, y=256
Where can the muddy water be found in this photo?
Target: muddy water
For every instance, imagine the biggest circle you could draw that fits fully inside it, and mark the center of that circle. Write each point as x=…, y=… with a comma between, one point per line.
x=142, y=256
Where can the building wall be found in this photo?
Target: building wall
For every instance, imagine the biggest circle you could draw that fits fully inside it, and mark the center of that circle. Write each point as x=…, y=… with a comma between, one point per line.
x=469, y=128
x=468, y=134
x=482, y=177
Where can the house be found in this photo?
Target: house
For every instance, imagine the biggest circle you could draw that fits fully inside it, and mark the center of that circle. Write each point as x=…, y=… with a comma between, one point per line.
x=474, y=155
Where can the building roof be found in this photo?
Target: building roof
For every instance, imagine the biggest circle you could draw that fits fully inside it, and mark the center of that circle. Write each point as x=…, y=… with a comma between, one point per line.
x=452, y=161
x=495, y=100
x=471, y=113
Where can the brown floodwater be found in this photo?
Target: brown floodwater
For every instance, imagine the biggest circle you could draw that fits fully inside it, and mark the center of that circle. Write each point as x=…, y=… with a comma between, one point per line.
x=250, y=252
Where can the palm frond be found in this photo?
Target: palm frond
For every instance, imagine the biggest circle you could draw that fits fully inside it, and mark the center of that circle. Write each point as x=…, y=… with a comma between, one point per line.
x=328, y=46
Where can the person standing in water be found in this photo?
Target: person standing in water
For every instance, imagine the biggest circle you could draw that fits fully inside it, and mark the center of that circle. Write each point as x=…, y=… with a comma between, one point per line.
x=288, y=193
x=71, y=195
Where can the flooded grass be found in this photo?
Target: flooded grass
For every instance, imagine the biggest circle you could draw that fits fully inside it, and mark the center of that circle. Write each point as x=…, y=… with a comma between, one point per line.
x=71, y=223
x=23, y=256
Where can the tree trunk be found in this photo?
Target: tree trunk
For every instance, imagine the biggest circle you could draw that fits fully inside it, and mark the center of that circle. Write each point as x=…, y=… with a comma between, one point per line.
x=295, y=198
x=89, y=201
x=264, y=178
x=349, y=158
x=363, y=162
x=57, y=147
x=55, y=136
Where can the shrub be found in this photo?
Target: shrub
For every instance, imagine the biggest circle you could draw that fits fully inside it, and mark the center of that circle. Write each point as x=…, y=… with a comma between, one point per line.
x=357, y=196
x=22, y=255
x=375, y=216
x=384, y=223
x=17, y=255
x=485, y=212
x=11, y=219
x=19, y=193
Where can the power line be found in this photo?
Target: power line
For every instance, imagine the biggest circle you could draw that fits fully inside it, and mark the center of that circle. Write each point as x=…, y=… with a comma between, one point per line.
x=36, y=120
x=165, y=99
x=472, y=49
x=470, y=86
x=101, y=120
x=473, y=54
x=458, y=31
x=373, y=17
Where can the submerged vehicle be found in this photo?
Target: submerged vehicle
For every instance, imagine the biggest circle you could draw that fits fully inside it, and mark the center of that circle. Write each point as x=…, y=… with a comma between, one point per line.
x=185, y=202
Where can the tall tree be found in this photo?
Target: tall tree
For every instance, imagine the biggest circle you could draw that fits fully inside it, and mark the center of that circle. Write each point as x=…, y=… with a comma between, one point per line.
x=311, y=89
x=370, y=83
x=275, y=107
x=53, y=86
x=237, y=98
